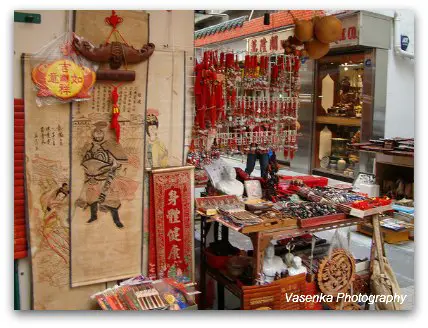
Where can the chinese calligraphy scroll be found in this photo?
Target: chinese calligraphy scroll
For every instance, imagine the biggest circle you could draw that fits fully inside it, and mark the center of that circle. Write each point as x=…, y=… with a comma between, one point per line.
x=48, y=193
x=107, y=184
x=171, y=222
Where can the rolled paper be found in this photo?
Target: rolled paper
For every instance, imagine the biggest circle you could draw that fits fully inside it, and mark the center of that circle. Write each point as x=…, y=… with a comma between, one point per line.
x=115, y=75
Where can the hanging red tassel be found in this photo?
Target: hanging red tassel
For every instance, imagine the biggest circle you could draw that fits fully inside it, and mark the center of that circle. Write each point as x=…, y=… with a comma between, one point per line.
x=236, y=63
x=233, y=98
x=206, y=59
x=213, y=109
x=280, y=63
x=202, y=108
x=296, y=65
x=115, y=117
x=220, y=101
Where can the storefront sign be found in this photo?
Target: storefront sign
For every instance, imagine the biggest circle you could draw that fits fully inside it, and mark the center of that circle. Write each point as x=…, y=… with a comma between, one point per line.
x=269, y=43
x=350, y=32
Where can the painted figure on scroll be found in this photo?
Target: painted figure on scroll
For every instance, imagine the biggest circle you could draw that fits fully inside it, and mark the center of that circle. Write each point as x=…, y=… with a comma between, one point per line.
x=157, y=154
x=101, y=162
x=54, y=227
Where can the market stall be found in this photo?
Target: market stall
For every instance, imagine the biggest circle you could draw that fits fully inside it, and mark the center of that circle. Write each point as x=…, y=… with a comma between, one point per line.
x=127, y=157
x=283, y=221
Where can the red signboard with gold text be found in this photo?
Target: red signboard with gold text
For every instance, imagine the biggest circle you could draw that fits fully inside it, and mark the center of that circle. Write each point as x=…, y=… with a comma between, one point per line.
x=171, y=232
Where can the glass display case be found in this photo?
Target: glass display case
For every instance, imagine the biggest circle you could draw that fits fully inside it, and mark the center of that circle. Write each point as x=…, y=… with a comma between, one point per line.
x=342, y=83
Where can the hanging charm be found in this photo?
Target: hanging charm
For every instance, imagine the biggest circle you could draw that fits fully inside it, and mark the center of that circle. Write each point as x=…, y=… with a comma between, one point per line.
x=115, y=117
x=115, y=53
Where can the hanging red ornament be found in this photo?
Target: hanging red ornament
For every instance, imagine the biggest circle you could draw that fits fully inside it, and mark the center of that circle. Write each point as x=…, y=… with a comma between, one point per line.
x=113, y=20
x=213, y=112
x=219, y=101
x=115, y=116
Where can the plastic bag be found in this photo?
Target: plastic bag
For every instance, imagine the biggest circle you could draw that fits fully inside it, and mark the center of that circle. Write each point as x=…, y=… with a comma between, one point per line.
x=60, y=75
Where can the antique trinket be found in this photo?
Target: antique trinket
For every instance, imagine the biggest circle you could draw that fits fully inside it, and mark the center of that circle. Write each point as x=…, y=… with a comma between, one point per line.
x=336, y=272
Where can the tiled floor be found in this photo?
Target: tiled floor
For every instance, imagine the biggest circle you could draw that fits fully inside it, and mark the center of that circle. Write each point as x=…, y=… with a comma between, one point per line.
x=401, y=257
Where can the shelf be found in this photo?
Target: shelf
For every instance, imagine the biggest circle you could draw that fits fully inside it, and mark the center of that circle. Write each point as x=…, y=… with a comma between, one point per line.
x=224, y=280
x=297, y=231
x=347, y=121
x=332, y=175
x=392, y=159
x=283, y=233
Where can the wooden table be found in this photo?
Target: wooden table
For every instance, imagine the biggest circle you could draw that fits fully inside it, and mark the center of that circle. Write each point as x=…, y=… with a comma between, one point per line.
x=260, y=241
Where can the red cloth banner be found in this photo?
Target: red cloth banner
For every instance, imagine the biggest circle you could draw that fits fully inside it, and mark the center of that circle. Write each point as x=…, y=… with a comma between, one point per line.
x=172, y=222
x=20, y=235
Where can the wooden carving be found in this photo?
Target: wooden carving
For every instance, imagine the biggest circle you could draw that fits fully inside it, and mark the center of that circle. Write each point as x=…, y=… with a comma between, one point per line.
x=115, y=53
x=336, y=272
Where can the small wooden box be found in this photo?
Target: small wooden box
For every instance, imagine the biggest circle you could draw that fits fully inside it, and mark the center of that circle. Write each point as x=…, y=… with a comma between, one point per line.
x=389, y=236
x=319, y=220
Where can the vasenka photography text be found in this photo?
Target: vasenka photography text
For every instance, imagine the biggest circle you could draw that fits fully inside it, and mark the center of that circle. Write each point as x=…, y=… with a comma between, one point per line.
x=359, y=298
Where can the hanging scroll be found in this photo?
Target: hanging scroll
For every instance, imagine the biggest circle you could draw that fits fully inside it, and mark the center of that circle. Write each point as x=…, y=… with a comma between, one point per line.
x=164, y=121
x=172, y=222
x=107, y=197
x=165, y=109
x=47, y=141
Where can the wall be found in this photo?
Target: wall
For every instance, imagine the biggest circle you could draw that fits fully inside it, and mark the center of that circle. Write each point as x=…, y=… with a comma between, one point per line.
x=174, y=30
x=29, y=38
x=400, y=101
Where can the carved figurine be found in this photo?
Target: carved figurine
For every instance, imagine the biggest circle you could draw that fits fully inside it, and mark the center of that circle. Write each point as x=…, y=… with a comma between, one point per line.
x=272, y=264
x=114, y=53
x=289, y=256
x=297, y=267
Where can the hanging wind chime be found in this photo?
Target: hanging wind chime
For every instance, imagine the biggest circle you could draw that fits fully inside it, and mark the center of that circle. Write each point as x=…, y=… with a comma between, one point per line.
x=116, y=54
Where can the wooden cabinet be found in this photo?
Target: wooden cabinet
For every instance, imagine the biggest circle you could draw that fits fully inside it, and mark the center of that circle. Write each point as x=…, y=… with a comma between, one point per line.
x=342, y=103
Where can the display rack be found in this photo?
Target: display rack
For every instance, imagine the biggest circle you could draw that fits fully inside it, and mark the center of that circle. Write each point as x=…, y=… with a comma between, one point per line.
x=241, y=104
x=260, y=240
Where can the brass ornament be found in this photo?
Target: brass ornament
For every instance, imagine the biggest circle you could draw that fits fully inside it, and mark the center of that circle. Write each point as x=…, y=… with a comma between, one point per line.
x=336, y=272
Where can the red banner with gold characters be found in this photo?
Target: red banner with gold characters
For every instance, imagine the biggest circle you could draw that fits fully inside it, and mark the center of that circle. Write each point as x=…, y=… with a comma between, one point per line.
x=171, y=235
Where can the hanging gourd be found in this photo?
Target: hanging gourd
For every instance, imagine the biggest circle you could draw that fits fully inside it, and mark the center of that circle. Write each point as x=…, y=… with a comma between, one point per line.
x=304, y=30
x=328, y=29
x=316, y=49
